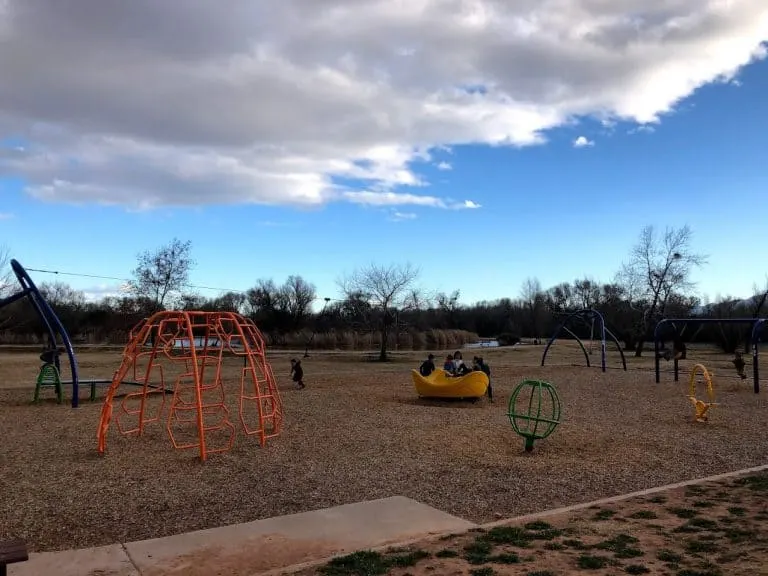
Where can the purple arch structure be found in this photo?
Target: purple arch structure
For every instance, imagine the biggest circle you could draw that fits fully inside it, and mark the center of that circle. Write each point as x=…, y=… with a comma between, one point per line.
x=587, y=315
x=51, y=322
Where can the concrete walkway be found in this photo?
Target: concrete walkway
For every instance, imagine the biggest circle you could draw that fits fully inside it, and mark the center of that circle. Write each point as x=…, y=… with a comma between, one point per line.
x=255, y=547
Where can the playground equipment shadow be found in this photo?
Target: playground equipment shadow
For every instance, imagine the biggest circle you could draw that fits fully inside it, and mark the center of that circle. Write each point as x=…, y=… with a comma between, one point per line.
x=355, y=434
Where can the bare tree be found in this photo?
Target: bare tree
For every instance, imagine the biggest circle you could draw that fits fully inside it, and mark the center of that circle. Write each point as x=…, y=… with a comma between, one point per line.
x=586, y=292
x=297, y=296
x=62, y=294
x=162, y=273
x=387, y=289
x=759, y=299
x=7, y=284
x=534, y=301
x=659, y=266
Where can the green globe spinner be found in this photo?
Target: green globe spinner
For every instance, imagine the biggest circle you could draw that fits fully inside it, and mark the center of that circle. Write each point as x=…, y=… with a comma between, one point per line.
x=533, y=425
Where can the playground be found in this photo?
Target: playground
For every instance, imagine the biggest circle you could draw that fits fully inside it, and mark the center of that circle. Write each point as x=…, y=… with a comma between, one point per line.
x=358, y=432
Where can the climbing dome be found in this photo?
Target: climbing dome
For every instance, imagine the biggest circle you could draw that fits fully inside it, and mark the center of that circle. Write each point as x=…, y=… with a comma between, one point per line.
x=194, y=358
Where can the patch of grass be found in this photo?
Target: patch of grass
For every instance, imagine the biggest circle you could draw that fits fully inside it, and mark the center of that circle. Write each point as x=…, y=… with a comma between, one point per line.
x=658, y=500
x=669, y=556
x=446, y=553
x=644, y=515
x=478, y=552
x=485, y=571
x=700, y=547
x=730, y=557
x=554, y=546
x=513, y=535
x=359, y=563
x=695, y=490
x=505, y=558
x=538, y=525
x=706, y=570
x=757, y=482
x=703, y=504
x=737, y=511
x=590, y=562
x=407, y=559
x=684, y=513
x=574, y=543
x=540, y=573
x=604, y=514
x=686, y=528
x=620, y=545
x=636, y=569
x=737, y=535
x=704, y=523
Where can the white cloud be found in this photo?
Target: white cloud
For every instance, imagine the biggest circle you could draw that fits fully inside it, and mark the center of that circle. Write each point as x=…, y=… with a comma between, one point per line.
x=6, y=215
x=101, y=291
x=402, y=216
x=582, y=142
x=444, y=166
x=643, y=128
x=289, y=102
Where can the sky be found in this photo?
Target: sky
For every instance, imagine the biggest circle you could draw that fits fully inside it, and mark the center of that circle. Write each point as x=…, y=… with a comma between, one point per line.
x=483, y=141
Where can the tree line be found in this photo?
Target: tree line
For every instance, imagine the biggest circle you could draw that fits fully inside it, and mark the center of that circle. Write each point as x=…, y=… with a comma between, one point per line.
x=383, y=308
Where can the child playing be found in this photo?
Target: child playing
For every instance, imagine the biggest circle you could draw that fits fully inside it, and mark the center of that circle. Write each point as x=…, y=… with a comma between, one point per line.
x=428, y=366
x=480, y=364
x=449, y=366
x=739, y=364
x=297, y=373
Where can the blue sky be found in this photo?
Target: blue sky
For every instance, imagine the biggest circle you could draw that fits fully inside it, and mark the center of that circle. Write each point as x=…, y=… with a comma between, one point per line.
x=552, y=211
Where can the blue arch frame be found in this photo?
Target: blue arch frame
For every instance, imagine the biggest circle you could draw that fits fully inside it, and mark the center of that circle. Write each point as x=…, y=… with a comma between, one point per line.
x=757, y=328
x=53, y=325
x=587, y=315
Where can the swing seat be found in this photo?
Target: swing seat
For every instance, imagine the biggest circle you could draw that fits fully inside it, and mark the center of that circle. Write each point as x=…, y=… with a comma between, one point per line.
x=48, y=377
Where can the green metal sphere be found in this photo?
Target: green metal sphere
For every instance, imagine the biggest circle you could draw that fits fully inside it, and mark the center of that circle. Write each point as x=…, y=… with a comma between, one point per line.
x=540, y=417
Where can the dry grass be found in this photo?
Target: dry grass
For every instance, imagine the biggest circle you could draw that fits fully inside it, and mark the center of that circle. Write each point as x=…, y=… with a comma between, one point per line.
x=358, y=433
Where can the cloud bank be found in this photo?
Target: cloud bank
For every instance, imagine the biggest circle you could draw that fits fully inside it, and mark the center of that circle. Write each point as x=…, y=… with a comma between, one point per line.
x=305, y=102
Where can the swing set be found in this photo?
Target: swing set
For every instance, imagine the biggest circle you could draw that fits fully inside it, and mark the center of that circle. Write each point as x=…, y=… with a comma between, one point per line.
x=757, y=325
x=594, y=319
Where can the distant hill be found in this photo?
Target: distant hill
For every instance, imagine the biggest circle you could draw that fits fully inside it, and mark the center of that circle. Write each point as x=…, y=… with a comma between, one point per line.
x=745, y=305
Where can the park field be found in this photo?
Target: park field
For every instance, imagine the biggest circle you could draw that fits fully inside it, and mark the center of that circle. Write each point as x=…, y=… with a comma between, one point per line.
x=359, y=432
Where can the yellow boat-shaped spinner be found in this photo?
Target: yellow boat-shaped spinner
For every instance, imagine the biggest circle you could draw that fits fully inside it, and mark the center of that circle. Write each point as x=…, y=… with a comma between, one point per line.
x=440, y=384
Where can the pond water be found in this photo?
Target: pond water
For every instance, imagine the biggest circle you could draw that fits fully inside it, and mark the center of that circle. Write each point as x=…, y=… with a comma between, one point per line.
x=483, y=344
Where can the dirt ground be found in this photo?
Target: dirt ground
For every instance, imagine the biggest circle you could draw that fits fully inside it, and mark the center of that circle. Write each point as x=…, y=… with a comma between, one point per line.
x=710, y=529
x=358, y=432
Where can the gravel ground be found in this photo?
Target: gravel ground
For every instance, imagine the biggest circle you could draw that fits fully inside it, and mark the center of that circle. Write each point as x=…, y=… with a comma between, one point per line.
x=358, y=433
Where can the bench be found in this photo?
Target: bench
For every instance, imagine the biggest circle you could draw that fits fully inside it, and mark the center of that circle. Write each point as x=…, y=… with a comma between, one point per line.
x=11, y=552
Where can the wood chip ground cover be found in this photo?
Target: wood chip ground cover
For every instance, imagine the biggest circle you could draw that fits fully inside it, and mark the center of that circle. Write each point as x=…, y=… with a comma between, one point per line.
x=358, y=433
x=713, y=529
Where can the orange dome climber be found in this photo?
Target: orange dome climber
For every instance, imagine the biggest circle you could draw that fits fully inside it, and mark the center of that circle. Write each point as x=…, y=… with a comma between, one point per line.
x=190, y=349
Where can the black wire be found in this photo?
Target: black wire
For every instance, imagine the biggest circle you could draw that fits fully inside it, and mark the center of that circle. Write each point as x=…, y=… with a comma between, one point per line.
x=115, y=278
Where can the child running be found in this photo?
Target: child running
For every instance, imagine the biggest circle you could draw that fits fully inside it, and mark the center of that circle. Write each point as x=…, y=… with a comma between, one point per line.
x=297, y=374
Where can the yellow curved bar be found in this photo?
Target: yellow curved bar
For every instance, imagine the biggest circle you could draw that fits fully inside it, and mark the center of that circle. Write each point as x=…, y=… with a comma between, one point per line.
x=701, y=408
x=440, y=385
x=707, y=379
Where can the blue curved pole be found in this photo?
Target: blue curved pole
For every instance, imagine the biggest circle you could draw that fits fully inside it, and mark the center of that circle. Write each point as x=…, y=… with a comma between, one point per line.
x=51, y=322
x=585, y=315
x=757, y=328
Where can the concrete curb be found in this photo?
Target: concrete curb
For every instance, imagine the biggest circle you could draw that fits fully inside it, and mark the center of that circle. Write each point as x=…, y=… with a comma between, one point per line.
x=525, y=518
